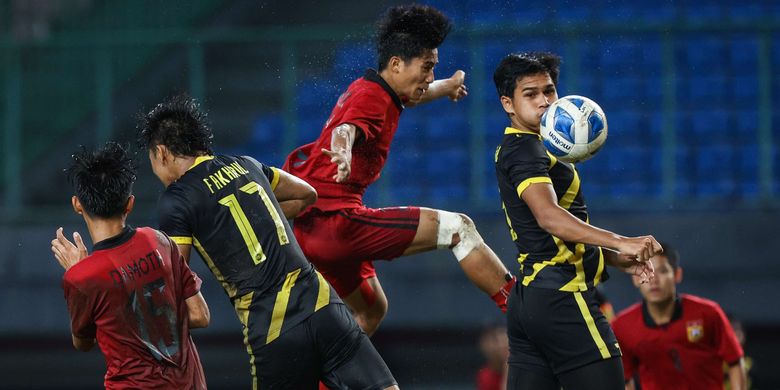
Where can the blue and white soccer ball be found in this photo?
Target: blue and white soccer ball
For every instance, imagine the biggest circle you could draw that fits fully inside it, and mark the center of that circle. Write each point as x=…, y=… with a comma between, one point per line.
x=574, y=128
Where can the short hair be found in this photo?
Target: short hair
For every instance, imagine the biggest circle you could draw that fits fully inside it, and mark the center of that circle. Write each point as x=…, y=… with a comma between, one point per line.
x=407, y=31
x=102, y=179
x=515, y=66
x=179, y=124
x=671, y=255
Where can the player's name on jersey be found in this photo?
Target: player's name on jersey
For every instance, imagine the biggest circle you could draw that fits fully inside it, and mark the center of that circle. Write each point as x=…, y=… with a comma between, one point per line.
x=138, y=268
x=223, y=176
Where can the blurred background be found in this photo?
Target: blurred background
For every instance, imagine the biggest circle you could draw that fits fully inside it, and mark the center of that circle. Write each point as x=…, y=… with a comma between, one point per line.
x=690, y=89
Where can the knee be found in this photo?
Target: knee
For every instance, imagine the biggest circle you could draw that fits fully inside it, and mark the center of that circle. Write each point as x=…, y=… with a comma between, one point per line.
x=457, y=232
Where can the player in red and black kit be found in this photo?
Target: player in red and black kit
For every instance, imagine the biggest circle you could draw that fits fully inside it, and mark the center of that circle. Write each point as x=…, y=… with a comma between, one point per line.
x=677, y=341
x=233, y=209
x=134, y=294
x=342, y=236
x=558, y=336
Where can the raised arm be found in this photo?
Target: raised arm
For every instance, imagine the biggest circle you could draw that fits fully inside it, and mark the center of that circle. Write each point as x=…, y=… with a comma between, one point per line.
x=340, y=153
x=293, y=194
x=453, y=88
x=557, y=221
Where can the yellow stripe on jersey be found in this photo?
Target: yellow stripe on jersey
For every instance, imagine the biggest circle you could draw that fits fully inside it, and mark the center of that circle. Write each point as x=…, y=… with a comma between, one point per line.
x=242, y=309
x=199, y=160
x=275, y=180
x=182, y=240
x=594, y=331
x=512, y=130
x=553, y=160
x=230, y=289
x=571, y=193
x=280, y=306
x=509, y=223
x=531, y=180
x=600, y=268
x=323, y=295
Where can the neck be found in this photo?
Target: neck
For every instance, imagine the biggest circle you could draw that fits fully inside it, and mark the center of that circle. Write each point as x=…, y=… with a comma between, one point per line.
x=388, y=77
x=181, y=164
x=518, y=126
x=661, y=312
x=101, y=229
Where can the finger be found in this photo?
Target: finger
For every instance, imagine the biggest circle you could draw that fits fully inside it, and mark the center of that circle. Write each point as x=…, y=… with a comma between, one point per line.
x=60, y=236
x=328, y=152
x=79, y=242
x=459, y=75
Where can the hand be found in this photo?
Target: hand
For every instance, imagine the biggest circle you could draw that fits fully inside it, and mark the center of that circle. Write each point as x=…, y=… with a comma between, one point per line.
x=67, y=253
x=458, y=89
x=641, y=269
x=639, y=248
x=344, y=162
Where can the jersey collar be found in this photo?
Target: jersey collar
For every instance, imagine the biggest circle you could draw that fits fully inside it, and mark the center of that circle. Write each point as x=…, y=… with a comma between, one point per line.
x=648, y=319
x=112, y=242
x=512, y=130
x=372, y=75
x=199, y=160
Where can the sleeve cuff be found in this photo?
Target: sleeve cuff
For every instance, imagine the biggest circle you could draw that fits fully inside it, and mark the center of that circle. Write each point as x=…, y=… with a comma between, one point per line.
x=531, y=180
x=275, y=180
x=182, y=240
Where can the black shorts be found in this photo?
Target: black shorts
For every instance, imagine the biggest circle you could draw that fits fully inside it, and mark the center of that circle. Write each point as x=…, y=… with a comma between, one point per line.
x=329, y=347
x=553, y=331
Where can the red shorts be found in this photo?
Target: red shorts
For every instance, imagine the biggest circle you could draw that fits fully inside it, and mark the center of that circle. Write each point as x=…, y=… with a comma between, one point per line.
x=342, y=244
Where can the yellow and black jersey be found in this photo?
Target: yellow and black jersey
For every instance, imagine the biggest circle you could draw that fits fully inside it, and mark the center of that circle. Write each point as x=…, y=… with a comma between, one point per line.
x=225, y=207
x=545, y=261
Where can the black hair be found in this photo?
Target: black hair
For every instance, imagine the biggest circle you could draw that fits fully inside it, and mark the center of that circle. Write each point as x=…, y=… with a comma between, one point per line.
x=179, y=124
x=407, y=31
x=102, y=179
x=515, y=66
x=671, y=254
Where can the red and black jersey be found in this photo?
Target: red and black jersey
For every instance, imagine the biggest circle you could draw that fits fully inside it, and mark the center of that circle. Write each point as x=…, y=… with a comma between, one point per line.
x=686, y=353
x=374, y=108
x=545, y=261
x=130, y=294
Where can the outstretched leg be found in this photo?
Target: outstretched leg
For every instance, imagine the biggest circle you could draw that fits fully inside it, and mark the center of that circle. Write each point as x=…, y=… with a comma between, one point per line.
x=443, y=229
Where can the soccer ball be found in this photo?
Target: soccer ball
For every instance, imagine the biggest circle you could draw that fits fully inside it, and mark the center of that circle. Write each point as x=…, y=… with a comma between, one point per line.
x=574, y=128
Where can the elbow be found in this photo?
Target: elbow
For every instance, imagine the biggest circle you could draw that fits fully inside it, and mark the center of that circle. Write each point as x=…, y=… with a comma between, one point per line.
x=82, y=345
x=201, y=319
x=310, y=198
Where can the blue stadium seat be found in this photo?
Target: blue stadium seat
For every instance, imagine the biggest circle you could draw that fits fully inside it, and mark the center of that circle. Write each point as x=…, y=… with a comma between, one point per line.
x=444, y=166
x=699, y=55
x=744, y=90
x=706, y=90
x=743, y=54
x=406, y=195
x=446, y=129
x=353, y=58
x=745, y=125
x=704, y=13
x=573, y=14
x=622, y=92
x=747, y=12
x=309, y=129
x=685, y=165
x=708, y=127
x=746, y=170
x=625, y=127
x=714, y=170
x=448, y=194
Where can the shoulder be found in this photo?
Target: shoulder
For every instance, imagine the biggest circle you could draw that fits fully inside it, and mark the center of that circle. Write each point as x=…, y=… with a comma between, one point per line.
x=80, y=273
x=521, y=147
x=628, y=316
x=700, y=304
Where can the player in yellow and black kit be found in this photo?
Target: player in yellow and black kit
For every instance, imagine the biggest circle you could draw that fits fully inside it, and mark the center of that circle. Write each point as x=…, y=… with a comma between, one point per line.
x=233, y=209
x=558, y=337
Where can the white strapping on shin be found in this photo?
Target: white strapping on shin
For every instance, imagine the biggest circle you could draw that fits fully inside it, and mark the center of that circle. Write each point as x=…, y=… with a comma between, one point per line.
x=450, y=224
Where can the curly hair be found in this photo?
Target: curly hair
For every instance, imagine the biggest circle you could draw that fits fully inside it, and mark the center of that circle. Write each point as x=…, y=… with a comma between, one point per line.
x=515, y=66
x=102, y=179
x=179, y=124
x=407, y=31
